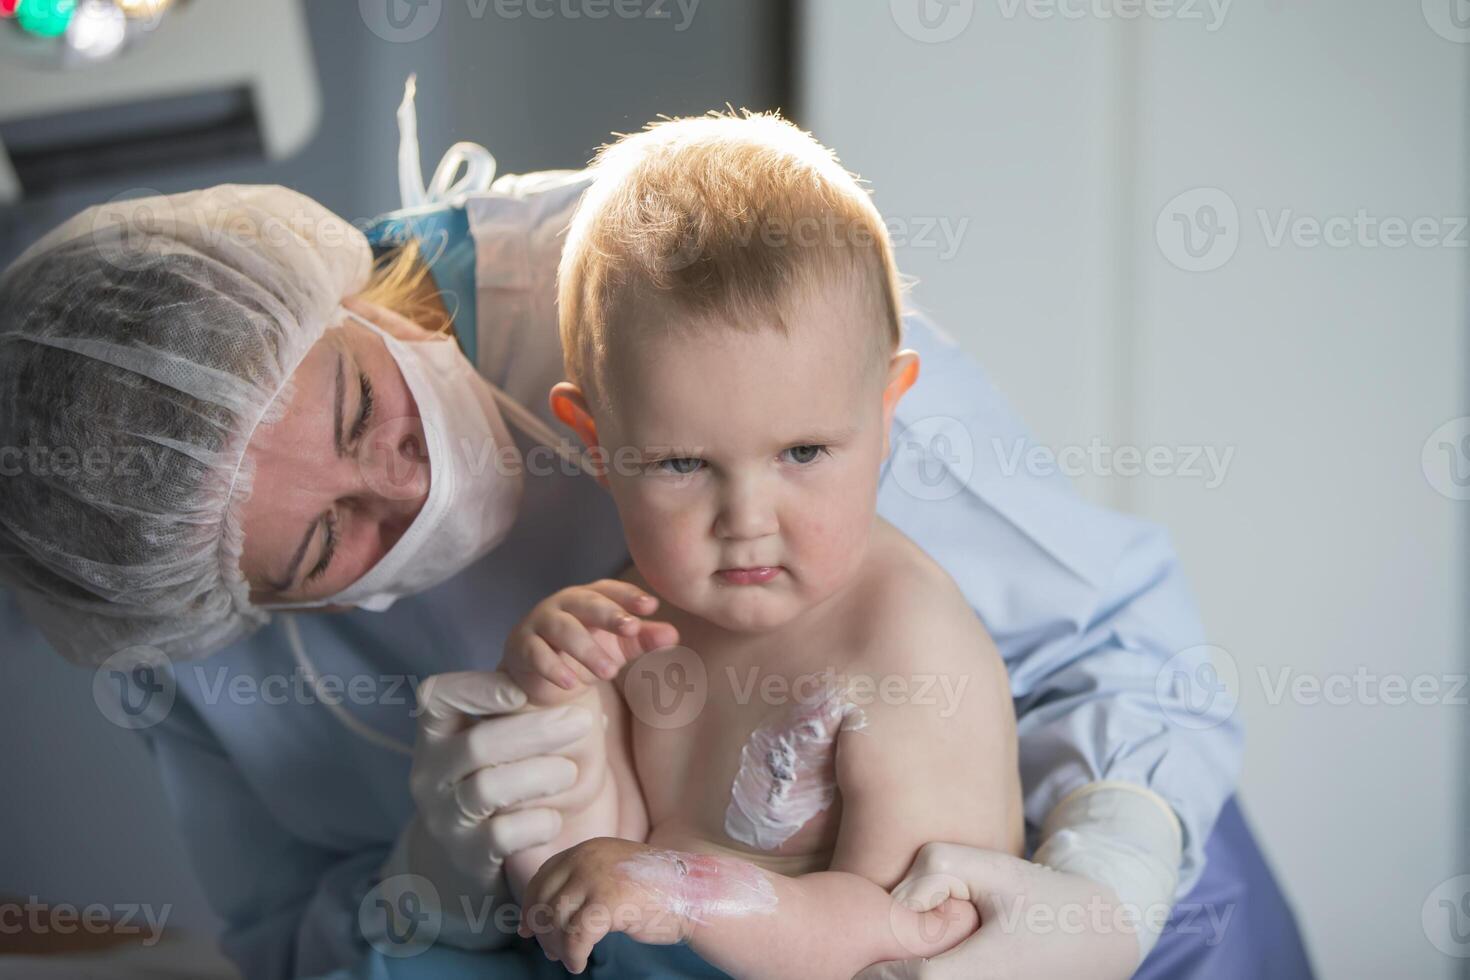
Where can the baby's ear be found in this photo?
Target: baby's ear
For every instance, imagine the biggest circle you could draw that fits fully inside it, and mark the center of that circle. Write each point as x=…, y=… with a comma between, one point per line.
x=570, y=406
x=903, y=371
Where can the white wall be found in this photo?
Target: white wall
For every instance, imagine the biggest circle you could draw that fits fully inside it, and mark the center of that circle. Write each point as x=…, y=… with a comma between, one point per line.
x=1324, y=370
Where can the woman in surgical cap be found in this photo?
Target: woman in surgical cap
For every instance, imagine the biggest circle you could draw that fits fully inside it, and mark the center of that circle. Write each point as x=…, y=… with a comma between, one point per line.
x=222, y=407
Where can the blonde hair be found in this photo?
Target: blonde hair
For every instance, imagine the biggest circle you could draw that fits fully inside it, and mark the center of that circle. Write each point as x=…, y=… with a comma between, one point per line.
x=402, y=283
x=707, y=217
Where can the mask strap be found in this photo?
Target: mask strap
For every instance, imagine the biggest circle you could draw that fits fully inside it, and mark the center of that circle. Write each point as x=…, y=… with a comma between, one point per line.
x=334, y=705
x=526, y=420
x=533, y=426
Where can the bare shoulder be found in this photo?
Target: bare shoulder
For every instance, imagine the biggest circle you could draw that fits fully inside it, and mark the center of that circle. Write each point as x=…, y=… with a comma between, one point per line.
x=911, y=614
x=938, y=755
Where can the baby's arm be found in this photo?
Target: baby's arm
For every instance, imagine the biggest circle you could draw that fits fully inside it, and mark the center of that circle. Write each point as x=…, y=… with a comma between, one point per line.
x=606, y=799
x=556, y=654
x=937, y=765
x=940, y=765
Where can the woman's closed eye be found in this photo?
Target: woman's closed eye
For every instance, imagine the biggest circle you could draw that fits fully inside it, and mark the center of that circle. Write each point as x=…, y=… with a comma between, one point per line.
x=361, y=423
x=365, y=409
x=329, y=548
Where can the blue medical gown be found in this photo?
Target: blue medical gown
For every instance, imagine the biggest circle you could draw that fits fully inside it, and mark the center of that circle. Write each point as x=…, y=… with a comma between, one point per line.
x=289, y=815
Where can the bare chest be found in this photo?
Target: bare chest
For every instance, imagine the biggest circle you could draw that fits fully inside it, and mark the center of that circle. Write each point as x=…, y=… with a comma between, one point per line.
x=747, y=764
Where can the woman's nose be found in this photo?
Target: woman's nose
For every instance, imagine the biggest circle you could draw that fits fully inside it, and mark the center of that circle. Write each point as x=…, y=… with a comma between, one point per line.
x=395, y=467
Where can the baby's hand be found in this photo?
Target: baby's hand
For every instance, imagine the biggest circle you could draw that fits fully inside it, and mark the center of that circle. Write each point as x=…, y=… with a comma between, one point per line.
x=580, y=634
x=595, y=888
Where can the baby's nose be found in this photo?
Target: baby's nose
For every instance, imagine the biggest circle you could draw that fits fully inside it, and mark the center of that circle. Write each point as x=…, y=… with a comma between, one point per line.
x=746, y=513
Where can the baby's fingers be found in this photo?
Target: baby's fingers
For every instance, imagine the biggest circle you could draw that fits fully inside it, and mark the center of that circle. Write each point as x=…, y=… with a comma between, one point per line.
x=586, y=930
x=548, y=663
x=652, y=635
x=541, y=892
x=566, y=632
x=557, y=940
x=599, y=611
x=627, y=595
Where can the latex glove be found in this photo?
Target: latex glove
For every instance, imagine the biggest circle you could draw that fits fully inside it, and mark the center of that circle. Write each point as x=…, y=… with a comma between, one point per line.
x=485, y=787
x=1092, y=904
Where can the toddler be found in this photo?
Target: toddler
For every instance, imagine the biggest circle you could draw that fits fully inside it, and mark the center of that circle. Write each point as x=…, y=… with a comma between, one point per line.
x=816, y=699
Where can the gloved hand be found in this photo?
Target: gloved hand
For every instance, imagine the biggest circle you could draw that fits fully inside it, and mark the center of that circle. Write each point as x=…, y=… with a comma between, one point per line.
x=485, y=787
x=1092, y=903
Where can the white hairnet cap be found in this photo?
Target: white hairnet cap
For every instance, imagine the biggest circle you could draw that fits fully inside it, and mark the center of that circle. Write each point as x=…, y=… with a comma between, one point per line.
x=141, y=344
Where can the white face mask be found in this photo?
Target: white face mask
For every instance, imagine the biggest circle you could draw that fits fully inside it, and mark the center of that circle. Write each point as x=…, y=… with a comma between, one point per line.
x=473, y=496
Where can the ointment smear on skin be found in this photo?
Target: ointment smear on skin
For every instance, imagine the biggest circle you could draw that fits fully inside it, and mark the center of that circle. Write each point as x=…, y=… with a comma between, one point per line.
x=700, y=887
x=788, y=771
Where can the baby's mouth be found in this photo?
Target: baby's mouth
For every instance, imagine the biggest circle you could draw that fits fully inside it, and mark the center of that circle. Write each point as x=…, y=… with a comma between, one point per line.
x=758, y=575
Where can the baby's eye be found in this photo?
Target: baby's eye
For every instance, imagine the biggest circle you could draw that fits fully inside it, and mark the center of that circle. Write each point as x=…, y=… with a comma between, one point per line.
x=805, y=454
x=682, y=465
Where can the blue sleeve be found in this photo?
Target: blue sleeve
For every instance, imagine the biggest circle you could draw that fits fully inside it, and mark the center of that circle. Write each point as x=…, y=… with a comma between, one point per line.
x=1088, y=607
x=289, y=907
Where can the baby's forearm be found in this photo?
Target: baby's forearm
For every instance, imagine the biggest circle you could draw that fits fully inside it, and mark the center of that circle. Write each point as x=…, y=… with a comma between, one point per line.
x=826, y=924
x=606, y=800
x=600, y=818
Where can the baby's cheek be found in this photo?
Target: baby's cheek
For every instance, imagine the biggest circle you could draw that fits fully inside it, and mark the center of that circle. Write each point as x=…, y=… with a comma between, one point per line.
x=666, y=546
x=827, y=537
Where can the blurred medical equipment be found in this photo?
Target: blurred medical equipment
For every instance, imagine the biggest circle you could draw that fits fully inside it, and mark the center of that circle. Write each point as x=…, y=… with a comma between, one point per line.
x=94, y=89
